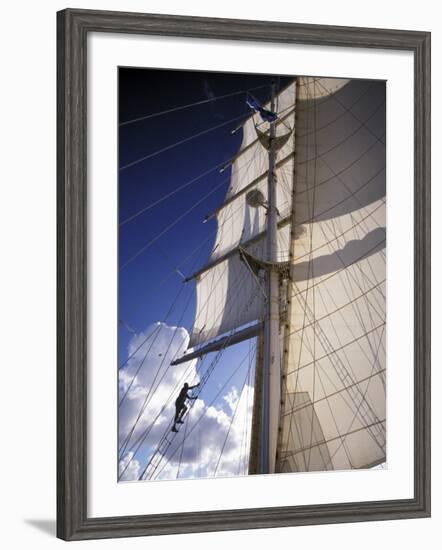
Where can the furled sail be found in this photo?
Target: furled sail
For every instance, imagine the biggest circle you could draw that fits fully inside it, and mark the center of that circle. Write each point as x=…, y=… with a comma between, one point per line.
x=333, y=365
x=228, y=293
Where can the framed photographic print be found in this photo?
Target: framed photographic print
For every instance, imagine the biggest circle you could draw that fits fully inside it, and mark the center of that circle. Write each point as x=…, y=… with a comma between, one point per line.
x=243, y=274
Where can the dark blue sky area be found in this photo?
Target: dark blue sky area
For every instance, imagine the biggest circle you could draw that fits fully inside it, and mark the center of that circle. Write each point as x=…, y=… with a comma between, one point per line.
x=148, y=285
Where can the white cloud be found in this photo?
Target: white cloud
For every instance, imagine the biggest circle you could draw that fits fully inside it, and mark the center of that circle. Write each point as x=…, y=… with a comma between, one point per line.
x=231, y=398
x=129, y=468
x=206, y=426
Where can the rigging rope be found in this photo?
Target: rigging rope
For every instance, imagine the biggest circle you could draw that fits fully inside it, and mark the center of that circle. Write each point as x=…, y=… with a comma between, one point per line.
x=181, y=107
x=185, y=140
x=172, y=193
x=166, y=229
x=138, y=348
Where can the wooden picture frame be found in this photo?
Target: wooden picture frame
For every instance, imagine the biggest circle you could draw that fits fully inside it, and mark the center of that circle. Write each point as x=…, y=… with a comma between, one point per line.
x=73, y=27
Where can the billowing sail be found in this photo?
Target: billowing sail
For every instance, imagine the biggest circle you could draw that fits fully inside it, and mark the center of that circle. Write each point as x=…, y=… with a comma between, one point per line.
x=228, y=293
x=333, y=366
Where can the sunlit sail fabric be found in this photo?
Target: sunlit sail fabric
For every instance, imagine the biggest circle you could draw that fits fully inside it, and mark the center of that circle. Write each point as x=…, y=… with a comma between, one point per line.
x=228, y=295
x=333, y=387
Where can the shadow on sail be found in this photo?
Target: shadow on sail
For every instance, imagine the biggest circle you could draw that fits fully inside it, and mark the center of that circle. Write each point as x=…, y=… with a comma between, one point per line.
x=352, y=252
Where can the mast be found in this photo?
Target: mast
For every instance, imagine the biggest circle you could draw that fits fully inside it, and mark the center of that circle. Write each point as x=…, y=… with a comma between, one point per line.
x=271, y=376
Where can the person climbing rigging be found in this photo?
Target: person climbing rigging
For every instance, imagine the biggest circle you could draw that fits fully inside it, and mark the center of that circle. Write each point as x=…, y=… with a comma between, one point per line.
x=180, y=404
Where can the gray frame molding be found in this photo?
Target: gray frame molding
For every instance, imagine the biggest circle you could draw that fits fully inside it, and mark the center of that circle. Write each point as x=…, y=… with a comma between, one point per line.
x=72, y=29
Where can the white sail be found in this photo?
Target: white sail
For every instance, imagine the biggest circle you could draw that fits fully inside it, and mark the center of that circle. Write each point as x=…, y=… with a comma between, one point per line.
x=333, y=387
x=228, y=294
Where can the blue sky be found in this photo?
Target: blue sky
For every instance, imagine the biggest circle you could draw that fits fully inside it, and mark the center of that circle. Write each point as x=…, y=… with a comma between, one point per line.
x=148, y=282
